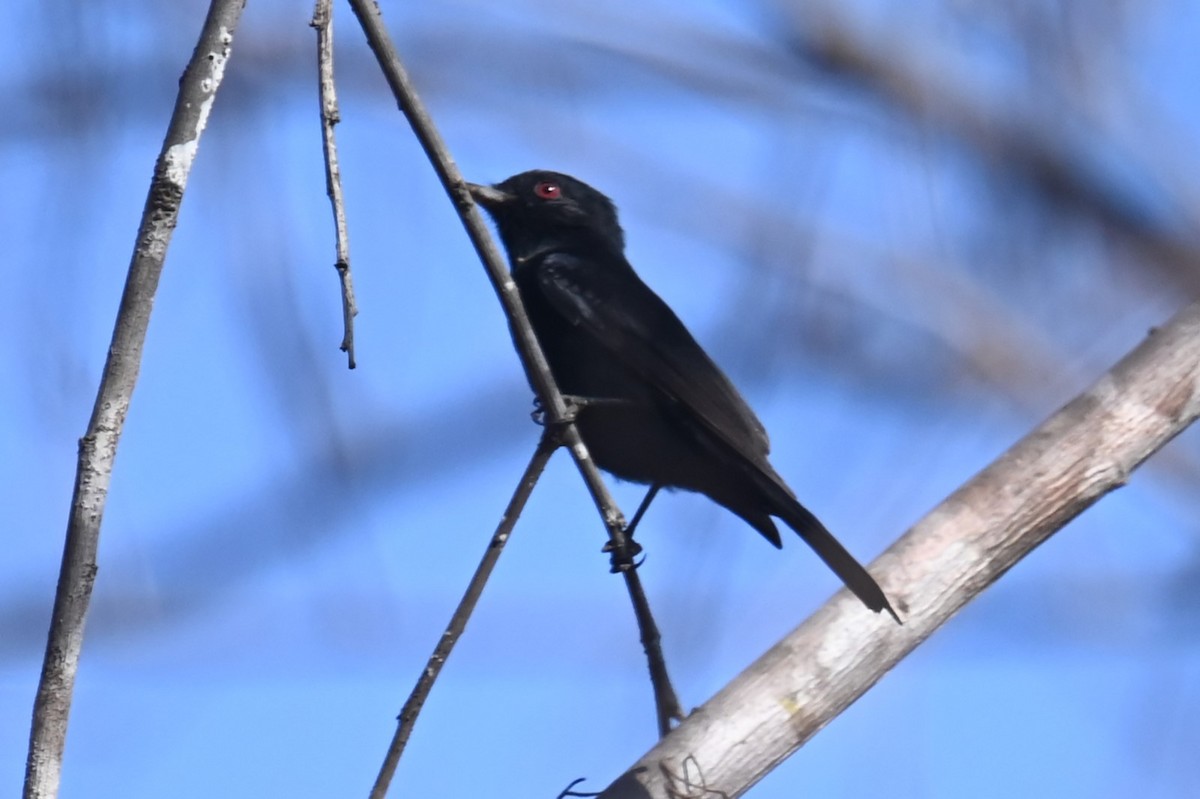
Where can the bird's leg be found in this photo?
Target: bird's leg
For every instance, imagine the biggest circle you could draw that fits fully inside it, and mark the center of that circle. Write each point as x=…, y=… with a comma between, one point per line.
x=633, y=548
x=575, y=404
x=637, y=516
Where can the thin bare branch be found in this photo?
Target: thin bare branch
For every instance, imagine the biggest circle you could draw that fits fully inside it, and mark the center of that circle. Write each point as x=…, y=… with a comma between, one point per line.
x=532, y=357
x=458, y=622
x=979, y=532
x=98, y=447
x=322, y=21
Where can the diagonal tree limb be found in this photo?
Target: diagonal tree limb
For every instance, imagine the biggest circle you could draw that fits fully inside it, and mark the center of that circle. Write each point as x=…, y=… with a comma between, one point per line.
x=1079, y=454
x=532, y=357
x=98, y=447
x=458, y=622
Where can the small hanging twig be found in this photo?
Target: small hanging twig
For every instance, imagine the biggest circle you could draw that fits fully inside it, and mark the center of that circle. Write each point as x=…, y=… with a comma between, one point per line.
x=322, y=21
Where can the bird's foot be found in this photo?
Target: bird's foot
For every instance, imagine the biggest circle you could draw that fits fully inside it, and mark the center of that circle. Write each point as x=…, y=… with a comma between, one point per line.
x=574, y=404
x=554, y=431
x=538, y=414
x=623, y=561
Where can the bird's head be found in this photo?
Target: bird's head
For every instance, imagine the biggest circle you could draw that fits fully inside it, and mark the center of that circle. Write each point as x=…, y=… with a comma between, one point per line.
x=541, y=211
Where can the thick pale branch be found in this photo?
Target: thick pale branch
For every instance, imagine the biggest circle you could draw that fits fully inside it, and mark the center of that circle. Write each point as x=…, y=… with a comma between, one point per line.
x=98, y=447
x=964, y=545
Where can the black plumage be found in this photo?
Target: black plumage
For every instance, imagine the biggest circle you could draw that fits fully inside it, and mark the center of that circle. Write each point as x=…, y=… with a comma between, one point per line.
x=662, y=413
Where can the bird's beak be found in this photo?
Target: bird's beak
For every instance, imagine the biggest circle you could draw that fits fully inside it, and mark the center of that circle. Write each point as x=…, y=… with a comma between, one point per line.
x=489, y=196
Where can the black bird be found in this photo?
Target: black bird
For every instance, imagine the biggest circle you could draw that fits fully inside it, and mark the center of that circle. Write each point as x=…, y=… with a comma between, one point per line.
x=656, y=409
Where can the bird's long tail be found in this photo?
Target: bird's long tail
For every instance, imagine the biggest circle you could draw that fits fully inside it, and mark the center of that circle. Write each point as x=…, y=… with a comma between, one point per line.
x=828, y=548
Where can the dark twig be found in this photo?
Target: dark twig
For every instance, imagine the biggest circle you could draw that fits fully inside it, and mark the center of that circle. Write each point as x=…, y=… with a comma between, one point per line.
x=688, y=783
x=1086, y=449
x=322, y=21
x=98, y=447
x=570, y=790
x=532, y=358
x=666, y=703
x=466, y=606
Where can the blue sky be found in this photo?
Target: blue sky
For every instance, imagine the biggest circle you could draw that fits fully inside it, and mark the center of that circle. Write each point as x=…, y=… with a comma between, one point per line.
x=285, y=539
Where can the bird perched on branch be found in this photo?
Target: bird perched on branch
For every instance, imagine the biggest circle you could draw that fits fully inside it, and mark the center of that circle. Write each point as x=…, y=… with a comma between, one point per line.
x=654, y=407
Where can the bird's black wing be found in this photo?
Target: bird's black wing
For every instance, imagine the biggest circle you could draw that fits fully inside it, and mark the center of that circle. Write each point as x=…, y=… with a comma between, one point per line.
x=608, y=300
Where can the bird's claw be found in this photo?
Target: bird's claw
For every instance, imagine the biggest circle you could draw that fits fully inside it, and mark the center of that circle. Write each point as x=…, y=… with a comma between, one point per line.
x=538, y=414
x=571, y=413
x=620, y=562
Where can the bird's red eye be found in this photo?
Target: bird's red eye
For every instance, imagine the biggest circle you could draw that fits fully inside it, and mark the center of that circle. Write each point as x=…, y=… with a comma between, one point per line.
x=548, y=190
